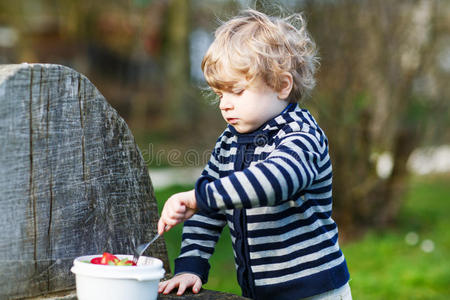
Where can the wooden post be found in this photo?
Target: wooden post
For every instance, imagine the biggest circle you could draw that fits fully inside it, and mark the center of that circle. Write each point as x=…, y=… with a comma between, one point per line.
x=72, y=180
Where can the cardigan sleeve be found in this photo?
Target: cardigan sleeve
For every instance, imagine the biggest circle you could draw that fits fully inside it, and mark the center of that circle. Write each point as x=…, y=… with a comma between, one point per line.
x=293, y=165
x=200, y=235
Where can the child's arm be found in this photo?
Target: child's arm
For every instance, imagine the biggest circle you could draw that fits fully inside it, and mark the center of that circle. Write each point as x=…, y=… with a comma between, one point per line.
x=298, y=160
x=182, y=282
x=200, y=234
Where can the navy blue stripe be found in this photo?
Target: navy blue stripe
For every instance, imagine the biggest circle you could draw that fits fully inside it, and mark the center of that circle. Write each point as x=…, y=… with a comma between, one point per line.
x=294, y=240
x=324, y=155
x=324, y=178
x=321, y=190
x=290, y=161
x=300, y=143
x=194, y=223
x=227, y=134
x=196, y=247
x=224, y=146
x=286, y=176
x=322, y=201
x=310, y=141
x=304, y=182
x=240, y=190
x=199, y=236
x=289, y=119
x=212, y=201
x=213, y=167
x=272, y=180
x=221, y=190
x=257, y=187
x=324, y=167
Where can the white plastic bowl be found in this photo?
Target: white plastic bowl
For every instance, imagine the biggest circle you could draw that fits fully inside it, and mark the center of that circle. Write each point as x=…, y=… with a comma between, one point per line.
x=105, y=282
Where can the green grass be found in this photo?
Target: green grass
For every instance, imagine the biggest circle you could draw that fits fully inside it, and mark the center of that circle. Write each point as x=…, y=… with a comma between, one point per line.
x=382, y=265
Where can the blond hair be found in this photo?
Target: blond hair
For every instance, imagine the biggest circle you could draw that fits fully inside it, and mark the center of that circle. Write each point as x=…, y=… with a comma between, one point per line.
x=253, y=45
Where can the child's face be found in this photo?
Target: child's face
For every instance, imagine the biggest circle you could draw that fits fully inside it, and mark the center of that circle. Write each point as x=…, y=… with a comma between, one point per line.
x=248, y=109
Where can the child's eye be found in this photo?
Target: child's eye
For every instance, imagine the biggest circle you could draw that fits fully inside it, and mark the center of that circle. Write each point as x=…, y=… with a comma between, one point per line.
x=238, y=92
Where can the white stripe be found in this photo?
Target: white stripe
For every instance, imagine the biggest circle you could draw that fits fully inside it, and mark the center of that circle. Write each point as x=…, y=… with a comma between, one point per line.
x=323, y=161
x=318, y=196
x=248, y=187
x=213, y=160
x=231, y=225
x=217, y=196
x=299, y=260
x=226, y=167
x=303, y=273
x=310, y=118
x=209, y=244
x=325, y=172
x=196, y=253
x=290, y=234
x=211, y=172
x=320, y=148
x=301, y=136
x=265, y=149
x=295, y=126
x=231, y=191
x=270, y=209
x=197, y=230
x=322, y=184
x=265, y=183
x=228, y=153
x=285, y=251
x=292, y=218
x=203, y=219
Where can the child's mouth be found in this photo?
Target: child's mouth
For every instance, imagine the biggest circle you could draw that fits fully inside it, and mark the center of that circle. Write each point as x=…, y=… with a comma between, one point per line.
x=232, y=120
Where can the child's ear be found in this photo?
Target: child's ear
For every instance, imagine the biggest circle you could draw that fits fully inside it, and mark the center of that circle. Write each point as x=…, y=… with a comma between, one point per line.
x=286, y=85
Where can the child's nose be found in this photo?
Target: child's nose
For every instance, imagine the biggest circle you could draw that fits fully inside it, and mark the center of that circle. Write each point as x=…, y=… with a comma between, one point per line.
x=225, y=103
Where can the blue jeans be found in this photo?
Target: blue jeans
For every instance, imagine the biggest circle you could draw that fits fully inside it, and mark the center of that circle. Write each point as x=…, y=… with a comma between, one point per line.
x=342, y=293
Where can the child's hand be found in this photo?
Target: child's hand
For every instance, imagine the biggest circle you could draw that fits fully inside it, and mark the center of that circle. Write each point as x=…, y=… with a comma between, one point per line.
x=178, y=208
x=182, y=281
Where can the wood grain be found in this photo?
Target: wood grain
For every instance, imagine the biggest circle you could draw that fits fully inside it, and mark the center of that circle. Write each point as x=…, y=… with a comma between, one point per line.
x=72, y=180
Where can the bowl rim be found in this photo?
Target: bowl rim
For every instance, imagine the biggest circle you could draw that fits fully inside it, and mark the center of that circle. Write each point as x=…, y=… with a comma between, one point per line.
x=149, y=271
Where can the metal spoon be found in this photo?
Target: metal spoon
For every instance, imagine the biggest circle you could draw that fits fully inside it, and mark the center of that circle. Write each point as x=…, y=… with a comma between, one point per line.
x=141, y=248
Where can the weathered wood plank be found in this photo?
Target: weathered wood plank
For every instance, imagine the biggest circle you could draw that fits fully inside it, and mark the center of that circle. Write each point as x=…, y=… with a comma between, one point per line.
x=72, y=180
x=203, y=295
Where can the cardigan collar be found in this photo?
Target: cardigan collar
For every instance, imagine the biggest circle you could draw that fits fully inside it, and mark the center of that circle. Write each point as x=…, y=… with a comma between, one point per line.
x=292, y=113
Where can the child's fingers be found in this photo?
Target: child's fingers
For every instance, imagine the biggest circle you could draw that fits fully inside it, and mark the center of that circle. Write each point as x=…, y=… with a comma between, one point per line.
x=162, y=286
x=161, y=226
x=180, y=208
x=197, y=286
x=170, y=286
x=181, y=288
x=175, y=216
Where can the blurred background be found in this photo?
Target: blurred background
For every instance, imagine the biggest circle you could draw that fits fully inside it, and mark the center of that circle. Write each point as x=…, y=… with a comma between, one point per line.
x=382, y=97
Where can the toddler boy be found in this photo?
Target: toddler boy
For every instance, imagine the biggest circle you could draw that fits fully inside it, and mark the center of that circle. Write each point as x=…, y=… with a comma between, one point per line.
x=269, y=177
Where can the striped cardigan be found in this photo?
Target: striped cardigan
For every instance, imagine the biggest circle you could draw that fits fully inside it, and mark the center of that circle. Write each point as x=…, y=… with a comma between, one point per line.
x=273, y=189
